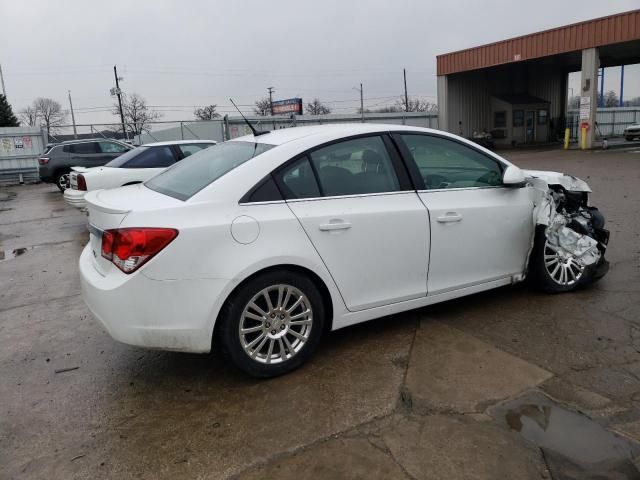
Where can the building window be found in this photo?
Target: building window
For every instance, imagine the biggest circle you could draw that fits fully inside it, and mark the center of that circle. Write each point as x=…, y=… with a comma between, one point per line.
x=500, y=119
x=542, y=117
x=518, y=118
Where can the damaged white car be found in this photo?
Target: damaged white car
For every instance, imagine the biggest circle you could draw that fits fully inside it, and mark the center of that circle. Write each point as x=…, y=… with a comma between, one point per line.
x=260, y=245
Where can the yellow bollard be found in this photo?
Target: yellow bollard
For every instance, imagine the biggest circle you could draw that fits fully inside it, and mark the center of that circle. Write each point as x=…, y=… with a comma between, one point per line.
x=584, y=138
x=567, y=138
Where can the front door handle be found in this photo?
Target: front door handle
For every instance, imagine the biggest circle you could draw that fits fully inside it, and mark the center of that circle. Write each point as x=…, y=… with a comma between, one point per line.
x=450, y=217
x=334, y=225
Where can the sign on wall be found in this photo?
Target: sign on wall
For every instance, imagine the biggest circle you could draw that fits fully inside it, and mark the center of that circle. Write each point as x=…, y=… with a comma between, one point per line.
x=585, y=108
x=288, y=106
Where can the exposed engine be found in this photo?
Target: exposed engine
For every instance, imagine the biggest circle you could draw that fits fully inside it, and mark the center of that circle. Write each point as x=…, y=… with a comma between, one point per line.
x=574, y=227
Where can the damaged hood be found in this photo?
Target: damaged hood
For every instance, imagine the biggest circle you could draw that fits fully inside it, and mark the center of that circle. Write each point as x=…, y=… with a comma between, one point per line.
x=568, y=182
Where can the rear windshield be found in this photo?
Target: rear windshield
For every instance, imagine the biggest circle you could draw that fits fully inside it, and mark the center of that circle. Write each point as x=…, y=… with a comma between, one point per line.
x=188, y=177
x=125, y=157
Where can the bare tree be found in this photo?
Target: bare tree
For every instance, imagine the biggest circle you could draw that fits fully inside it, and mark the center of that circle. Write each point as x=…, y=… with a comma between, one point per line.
x=611, y=99
x=50, y=112
x=574, y=102
x=634, y=102
x=416, y=105
x=263, y=107
x=206, y=113
x=29, y=116
x=317, y=108
x=137, y=115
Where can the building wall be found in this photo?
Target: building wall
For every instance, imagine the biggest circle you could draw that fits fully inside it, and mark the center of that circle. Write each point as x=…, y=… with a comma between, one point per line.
x=468, y=103
x=468, y=96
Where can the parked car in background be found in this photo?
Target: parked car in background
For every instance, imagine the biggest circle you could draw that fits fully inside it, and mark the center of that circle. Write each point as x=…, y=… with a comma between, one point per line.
x=135, y=166
x=632, y=132
x=261, y=244
x=55, y=163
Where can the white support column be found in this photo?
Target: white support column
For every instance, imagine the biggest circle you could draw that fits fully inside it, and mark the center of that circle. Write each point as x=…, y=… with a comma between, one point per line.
x=443, y=92
x=589, y=89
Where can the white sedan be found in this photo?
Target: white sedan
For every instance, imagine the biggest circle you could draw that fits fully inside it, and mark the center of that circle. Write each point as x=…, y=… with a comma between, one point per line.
x=135, y=166
x=260, y=245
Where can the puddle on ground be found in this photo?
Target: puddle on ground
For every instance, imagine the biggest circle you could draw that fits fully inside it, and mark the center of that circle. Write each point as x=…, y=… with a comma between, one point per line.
x=574, y=445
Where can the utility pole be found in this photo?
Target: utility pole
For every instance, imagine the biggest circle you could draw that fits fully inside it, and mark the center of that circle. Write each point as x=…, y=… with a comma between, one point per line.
x=73, y=117
x=118, y=93
x=4, y=92
x=361, y=105
x=271, y=90
x=406, y=96
x=621, y=86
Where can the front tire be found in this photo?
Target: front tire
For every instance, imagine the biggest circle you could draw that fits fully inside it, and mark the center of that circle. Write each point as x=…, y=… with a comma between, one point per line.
x=555, y=272
x=272, y=324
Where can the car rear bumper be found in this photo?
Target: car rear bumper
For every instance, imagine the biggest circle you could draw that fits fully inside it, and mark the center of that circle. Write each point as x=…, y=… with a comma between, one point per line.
x=75, y=198
x=172, y=315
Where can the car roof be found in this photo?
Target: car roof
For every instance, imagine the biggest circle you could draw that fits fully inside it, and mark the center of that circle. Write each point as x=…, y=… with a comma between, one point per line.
x=83, y=140
x=178, y=142
x=285, y=135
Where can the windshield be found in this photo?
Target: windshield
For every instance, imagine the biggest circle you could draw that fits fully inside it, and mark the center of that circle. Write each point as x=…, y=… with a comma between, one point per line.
x=192, y=174
x=125, y=157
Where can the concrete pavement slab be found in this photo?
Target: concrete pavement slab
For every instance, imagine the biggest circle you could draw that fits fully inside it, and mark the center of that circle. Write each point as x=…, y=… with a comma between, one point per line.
x=453, y=371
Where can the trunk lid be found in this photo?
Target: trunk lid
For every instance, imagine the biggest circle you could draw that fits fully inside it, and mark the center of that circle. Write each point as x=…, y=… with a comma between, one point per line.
x=108, y=208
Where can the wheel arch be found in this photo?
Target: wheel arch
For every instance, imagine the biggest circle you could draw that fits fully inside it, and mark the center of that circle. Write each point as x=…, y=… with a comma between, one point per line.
x=288, y=267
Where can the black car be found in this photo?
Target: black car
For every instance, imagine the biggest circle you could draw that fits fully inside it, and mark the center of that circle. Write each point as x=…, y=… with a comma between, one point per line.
x=55, y=163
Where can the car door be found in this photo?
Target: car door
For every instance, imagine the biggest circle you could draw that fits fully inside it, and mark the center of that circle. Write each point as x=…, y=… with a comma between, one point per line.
x=85, y=154
x=355, y=202
x=481, y=230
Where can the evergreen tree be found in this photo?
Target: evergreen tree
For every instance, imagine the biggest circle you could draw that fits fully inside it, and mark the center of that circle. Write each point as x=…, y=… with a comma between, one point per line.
x=7, y=118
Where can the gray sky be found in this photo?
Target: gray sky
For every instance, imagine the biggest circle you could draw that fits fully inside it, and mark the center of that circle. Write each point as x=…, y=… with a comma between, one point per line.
x=179, y=54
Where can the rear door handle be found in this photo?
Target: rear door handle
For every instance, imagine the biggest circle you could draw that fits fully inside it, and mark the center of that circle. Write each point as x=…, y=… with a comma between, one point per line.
x=450, y=217
x=334, y=225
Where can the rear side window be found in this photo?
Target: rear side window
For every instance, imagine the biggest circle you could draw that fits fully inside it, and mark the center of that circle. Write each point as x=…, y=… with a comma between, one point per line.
x=195, y=172
x=152, y=157
x=192, y=148
x=298, y=180
x=353, y=167
x=111, y=147
x=84, y=148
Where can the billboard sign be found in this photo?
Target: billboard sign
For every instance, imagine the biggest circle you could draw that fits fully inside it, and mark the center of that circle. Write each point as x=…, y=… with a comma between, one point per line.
x=288, y=106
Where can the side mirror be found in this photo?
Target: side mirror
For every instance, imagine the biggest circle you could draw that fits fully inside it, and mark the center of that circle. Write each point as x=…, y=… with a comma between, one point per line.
x=513, y=177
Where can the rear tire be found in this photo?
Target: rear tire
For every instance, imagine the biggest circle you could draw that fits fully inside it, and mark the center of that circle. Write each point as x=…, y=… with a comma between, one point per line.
x=62, y=180
x=272, y=324
x=553, y=272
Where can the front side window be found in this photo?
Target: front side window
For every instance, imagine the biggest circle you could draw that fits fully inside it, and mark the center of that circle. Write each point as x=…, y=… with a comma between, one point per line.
x=111, y=147
x=354, y=167
x=445, y=163
x=188, y=177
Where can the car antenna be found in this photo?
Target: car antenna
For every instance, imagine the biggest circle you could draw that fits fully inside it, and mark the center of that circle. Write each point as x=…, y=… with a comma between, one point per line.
x=255, y=132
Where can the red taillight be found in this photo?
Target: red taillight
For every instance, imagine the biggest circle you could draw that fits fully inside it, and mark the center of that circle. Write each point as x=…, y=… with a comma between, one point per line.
x=81, y=182
x=130, y=248
x=43, y=160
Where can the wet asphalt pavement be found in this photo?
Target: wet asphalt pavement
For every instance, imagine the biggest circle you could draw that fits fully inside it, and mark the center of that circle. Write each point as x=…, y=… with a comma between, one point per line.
x=510, y=383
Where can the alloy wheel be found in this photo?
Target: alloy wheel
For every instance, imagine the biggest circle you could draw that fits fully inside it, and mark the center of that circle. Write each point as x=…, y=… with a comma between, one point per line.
x=63, y=181
x=275, y=324
x=563, y=268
